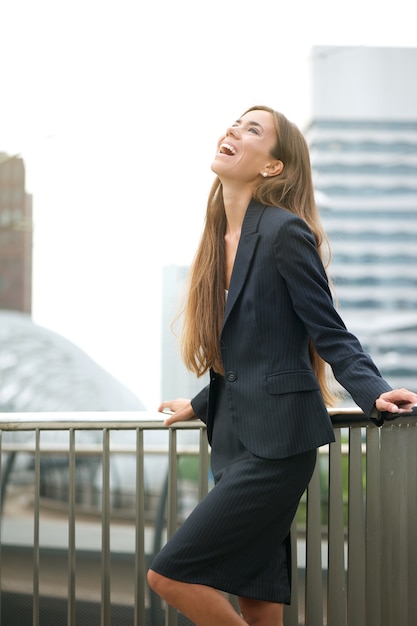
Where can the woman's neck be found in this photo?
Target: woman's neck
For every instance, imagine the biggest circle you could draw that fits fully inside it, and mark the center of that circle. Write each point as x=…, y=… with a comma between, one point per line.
x=235, y=204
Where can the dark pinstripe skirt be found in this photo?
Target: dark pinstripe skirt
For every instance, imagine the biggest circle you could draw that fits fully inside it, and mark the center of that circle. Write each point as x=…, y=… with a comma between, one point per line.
x=238, y=538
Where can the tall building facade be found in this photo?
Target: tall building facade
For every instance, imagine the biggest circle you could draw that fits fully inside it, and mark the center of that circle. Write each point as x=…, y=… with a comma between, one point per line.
x=363, y=145
x=15, y=237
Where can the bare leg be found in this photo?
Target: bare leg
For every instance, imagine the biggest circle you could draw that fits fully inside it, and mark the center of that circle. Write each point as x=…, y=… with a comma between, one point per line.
x=260, y=613
x=203, y=605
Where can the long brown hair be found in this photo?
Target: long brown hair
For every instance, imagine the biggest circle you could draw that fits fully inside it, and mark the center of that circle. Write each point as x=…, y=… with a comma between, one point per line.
x=204, y=308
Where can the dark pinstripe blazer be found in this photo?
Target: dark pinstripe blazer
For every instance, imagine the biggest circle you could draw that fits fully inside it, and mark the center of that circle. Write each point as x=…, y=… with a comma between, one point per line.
x=278, y=298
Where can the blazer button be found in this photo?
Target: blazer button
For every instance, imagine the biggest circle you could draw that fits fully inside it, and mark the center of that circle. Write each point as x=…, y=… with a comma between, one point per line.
x=231, y=377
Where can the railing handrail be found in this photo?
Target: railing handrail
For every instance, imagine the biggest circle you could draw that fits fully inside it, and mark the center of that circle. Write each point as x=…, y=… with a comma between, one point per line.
x=341, y=417
x=354, y=417
x=94, y=420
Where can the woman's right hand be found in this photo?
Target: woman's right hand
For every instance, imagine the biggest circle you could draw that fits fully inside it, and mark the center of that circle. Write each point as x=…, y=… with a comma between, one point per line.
x=181, y=410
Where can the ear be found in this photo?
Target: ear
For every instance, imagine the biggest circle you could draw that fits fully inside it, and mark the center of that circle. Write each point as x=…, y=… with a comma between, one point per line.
x=274, y=168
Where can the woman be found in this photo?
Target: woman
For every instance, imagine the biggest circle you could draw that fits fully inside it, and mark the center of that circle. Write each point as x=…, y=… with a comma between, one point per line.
x=260, y=317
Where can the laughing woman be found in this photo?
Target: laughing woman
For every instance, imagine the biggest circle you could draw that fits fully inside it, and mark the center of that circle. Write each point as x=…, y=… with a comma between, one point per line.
x=260, y=317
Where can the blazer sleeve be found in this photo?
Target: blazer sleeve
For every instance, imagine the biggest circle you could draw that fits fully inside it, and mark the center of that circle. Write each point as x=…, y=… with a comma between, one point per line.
x=299, y=262
x=200, y=403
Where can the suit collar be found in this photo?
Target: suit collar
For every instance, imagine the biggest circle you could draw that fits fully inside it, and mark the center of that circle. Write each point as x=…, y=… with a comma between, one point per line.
x=252, y=218
x=245, y=251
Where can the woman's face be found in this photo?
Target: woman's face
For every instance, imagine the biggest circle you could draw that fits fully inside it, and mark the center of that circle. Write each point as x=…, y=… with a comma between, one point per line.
x=244, y=151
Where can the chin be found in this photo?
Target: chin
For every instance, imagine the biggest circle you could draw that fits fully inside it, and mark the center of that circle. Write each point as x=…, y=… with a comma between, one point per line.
x=216, y=166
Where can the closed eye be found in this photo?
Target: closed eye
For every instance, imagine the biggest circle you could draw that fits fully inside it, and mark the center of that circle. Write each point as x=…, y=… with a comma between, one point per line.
x=252, y=126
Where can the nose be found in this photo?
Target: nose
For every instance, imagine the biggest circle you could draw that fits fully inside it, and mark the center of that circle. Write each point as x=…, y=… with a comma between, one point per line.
x=232, y=131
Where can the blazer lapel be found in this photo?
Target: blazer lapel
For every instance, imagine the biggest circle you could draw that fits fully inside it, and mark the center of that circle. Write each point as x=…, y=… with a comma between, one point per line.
x=245, y=251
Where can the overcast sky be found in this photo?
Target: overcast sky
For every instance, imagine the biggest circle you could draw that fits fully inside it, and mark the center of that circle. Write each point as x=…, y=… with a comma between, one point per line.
x=116, y=106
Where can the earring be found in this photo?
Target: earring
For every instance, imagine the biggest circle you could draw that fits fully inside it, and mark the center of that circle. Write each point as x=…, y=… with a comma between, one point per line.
x=264, y=174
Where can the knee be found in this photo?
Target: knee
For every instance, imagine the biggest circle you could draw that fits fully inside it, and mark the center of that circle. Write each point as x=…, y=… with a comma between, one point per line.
x=165, y=588
x=162, y=586
x=154, y=580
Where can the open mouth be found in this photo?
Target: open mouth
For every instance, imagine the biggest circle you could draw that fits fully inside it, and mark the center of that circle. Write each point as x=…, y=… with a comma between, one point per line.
x=226, y=148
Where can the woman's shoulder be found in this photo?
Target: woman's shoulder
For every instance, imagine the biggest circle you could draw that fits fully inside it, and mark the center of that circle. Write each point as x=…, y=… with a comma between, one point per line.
x=278, y=216
x=281, y=225
x=269, y=220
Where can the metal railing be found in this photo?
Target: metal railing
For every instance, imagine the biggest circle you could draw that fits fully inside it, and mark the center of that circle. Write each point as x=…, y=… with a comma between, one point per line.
x=354, y=538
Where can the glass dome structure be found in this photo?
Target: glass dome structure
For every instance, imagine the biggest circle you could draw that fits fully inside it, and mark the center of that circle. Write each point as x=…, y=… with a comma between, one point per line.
x=42, y=371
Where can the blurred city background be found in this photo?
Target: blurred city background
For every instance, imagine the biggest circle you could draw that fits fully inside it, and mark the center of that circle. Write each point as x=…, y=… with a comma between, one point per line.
x=115, y=110
x=108, y=124
x=362, y=133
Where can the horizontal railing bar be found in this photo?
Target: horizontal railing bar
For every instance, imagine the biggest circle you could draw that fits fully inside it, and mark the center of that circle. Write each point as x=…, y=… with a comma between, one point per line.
x=125, y=420
x=348, y=419
x=146, y=420
x=80, y=423
x=97, y=449
x=83, y=449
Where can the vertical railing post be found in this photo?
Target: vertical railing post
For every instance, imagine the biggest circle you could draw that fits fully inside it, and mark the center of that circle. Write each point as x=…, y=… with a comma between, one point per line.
x=336, y=582
x=1, y=514
x=411, y=473
x=105, y=533
x=172, y=508
x=71, y=531
x=399, y=524
x=140, y=562
x=385, y=546
x=35, y=608
x=356, y=532
x=373, y=526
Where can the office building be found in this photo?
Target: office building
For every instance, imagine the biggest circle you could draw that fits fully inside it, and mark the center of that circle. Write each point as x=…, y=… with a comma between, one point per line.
x=39, y=369
x=15, y=237
x=363, y=144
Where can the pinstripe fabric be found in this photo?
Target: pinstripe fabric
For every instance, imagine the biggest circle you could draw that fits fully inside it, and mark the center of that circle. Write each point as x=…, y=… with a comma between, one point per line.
x=278, y=298
x=237, y=539
x=266, y=417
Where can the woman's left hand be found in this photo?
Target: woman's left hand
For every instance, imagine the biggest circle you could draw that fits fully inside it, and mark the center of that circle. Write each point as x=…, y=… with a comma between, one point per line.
x=397, y=401
x=180, y=409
